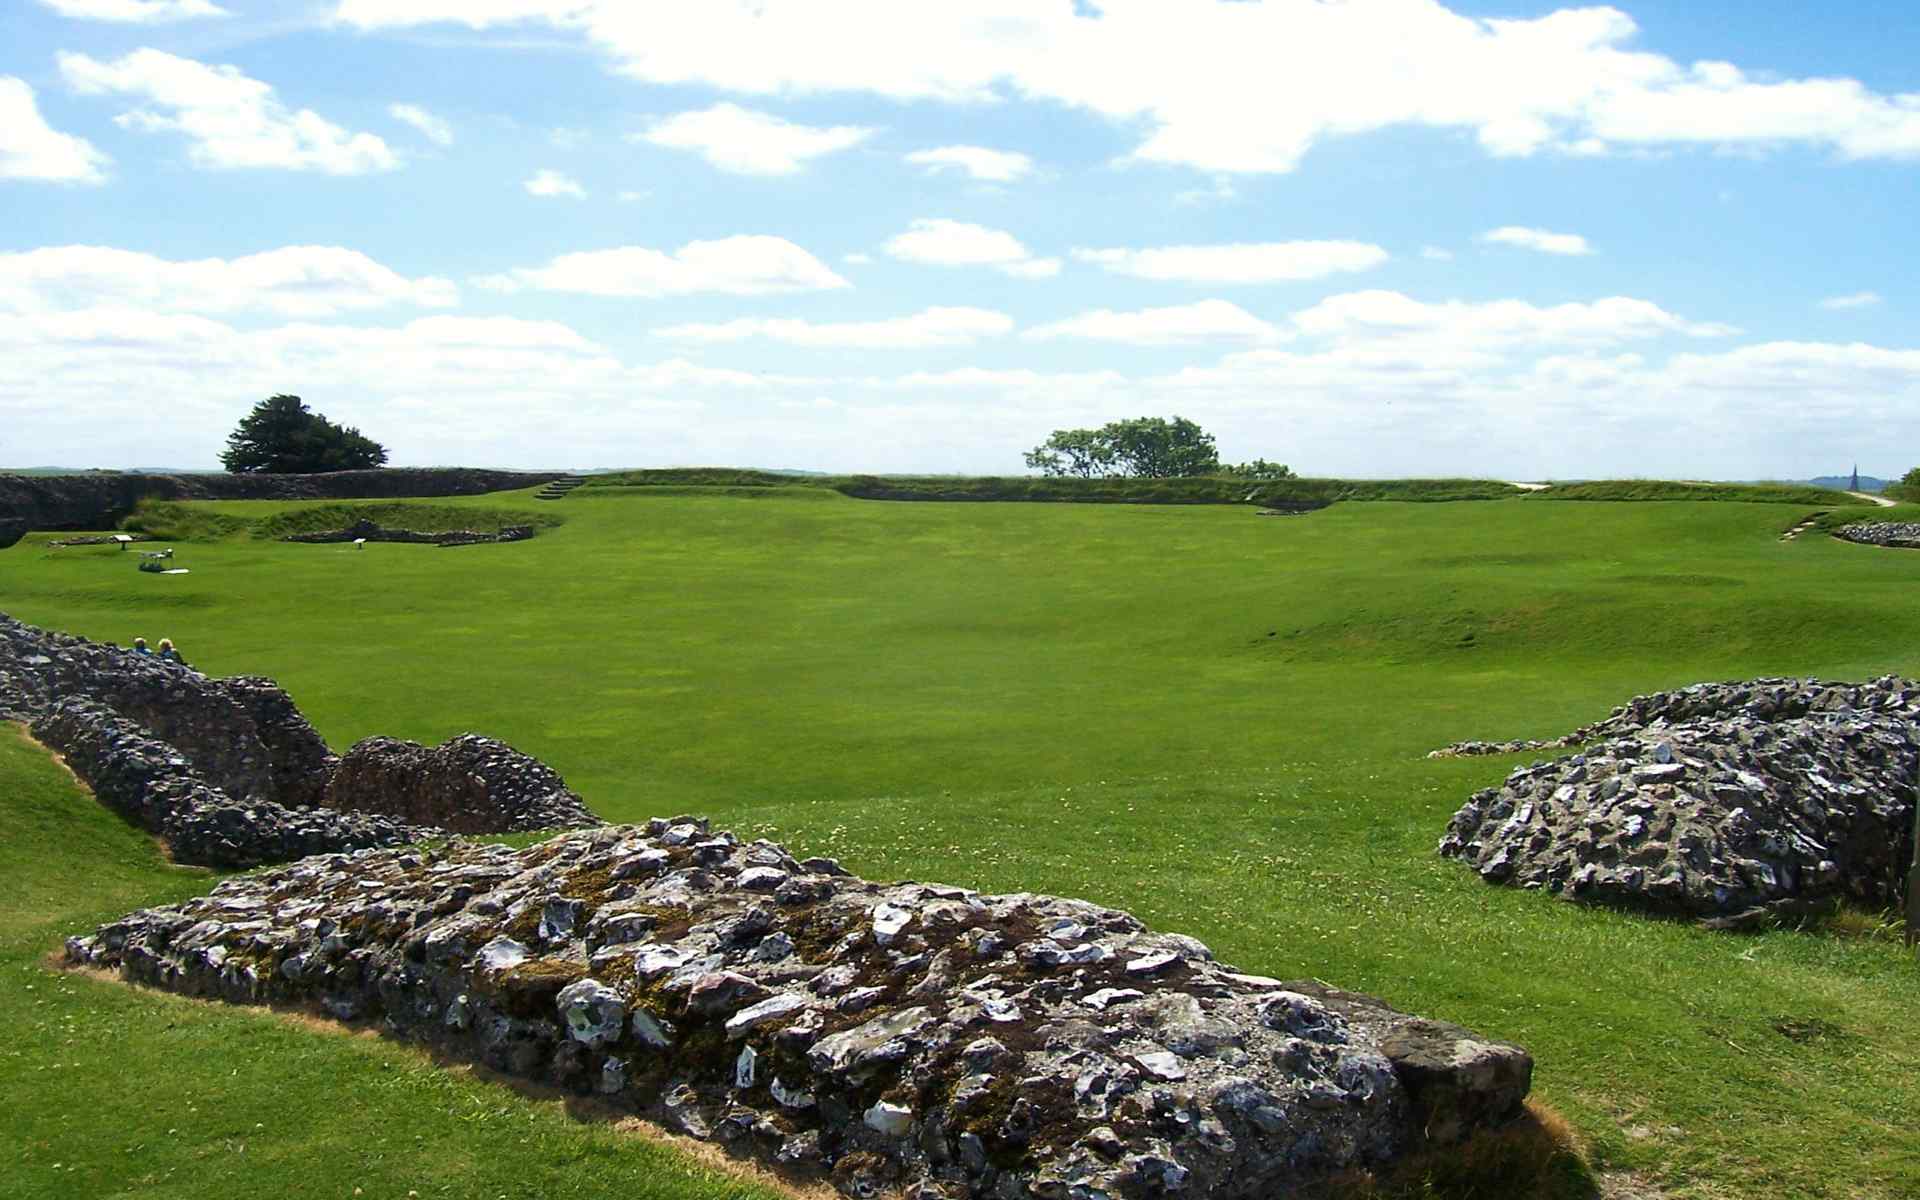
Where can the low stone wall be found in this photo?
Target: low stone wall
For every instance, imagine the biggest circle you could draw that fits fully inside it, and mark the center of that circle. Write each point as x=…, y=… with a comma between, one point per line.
x=468, y=784
x=100, y=500
x=1732, y=803
x=910, y=1036
x=152, y=784
x=370, y=532
x=1899, y=534
x=247, y=746
x=12, y=529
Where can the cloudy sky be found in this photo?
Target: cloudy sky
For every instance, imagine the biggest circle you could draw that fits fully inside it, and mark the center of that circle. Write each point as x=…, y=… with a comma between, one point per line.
x=1363, y=237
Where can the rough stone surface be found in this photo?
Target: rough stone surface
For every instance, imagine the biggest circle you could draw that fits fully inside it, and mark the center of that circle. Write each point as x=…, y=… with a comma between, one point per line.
x=12, y=529
x=242, y=752
x=99, y=500
x=153, y=784
x=1005, y=1046
x=364, y=530
x=468, y=784
x=1902, y=534
x=1734, y=803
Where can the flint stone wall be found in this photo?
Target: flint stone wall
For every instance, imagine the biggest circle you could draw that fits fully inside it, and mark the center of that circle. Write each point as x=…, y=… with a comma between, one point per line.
x=365, y=530
x=467, y=784
x=100, y=500
x=153, y=785
x=1733, y=803
x=248, y=749
x=911, y=1036
x=1901, y=534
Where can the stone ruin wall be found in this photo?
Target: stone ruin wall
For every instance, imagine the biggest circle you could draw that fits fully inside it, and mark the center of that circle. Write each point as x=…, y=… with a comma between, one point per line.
x=237, y=775
x=912, y=1037
x=1735, y=804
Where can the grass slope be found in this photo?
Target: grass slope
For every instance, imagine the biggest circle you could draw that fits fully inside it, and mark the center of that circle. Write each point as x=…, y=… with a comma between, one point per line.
x=1215, y=720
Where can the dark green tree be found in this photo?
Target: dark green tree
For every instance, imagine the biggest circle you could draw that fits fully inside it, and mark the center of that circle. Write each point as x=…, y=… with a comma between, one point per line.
x=1259, y=468
x=1148, y=447
x=282, y=436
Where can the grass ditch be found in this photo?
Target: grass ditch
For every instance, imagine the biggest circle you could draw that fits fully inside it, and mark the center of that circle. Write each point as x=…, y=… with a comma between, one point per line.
x=1665, y=489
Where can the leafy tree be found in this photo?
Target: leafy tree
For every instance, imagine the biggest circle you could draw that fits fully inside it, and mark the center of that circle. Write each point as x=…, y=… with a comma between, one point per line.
x=1148, y=447
x=1259, y=468
x=282, y=436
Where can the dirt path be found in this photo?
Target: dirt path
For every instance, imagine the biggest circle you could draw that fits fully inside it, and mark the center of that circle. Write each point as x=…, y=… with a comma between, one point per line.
x=1882, y=501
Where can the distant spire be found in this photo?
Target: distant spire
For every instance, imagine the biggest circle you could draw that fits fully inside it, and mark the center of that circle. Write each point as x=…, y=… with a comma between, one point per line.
x=1855, y=486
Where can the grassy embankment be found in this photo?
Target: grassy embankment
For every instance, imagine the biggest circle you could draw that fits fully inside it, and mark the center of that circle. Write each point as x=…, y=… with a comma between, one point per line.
x=1216, y=721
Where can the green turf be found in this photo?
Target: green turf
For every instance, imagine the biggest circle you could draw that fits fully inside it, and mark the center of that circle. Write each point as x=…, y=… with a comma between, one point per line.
x=1214, y=719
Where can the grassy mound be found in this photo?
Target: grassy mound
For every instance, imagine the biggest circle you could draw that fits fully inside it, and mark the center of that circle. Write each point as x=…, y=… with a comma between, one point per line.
x=1034, y=488
x=1662, y=489
x=1216, y=722
x=202, y=521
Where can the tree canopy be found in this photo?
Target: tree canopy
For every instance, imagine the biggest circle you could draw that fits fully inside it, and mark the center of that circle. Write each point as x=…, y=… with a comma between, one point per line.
x=1147, y=447
x=282, y=436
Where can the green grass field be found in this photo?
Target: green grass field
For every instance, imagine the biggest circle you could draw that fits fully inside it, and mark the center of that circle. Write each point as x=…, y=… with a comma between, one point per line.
x=1213, y=719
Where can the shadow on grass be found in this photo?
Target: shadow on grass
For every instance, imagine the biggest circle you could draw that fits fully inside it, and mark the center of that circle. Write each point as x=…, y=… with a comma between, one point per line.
x=1537, y=1156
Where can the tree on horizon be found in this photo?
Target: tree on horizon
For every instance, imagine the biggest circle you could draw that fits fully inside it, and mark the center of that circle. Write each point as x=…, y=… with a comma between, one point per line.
x=282, y=436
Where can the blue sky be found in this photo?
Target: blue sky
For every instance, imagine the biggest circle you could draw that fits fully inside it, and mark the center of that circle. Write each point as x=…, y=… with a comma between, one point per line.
x=1377, y=237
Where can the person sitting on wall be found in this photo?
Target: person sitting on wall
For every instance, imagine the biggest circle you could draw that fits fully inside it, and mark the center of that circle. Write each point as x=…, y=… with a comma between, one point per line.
x=168, y=653
x=140, y=646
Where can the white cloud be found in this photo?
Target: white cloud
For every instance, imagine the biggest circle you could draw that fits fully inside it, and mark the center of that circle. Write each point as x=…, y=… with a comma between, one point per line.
x=743, y=265
x=297, y=281
x=32, y=149
x=1436, y=254
x=929, y=328
x=1372, y=316
x=751, y=143
x=1541, y=240
x=433, y=128
x=1243, y=86
x=1257, y=262
x=553, y=183
x=137, y=12
x=230, y=120
x=939, y=242
x=979, y=162
x=1177, y=325
x=1854, y=300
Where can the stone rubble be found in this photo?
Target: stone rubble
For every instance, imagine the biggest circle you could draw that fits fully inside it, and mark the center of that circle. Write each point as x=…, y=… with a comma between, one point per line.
x=911, y=1036
x=152, y=784
x=241, y=746
x=1732, y=803
x=1901, y=534
x=467, y=784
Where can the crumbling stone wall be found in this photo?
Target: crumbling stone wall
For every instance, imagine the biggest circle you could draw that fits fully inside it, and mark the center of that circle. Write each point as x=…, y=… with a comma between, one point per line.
x=243, y=748
x=1902, y=534
x=100, y=500
x=152, y=784
x=467, y=784
x=370, y=531
x=1732, y=803
x=910, y=1036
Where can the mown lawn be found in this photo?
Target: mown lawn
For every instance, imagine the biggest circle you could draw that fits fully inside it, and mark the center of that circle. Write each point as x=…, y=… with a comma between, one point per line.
x=1214, y=719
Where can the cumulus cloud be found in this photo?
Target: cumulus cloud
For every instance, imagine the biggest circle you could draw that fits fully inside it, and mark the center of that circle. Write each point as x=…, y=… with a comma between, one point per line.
x=1377, y=315
x=929, y=328
x=295, y=281
x=546, y=183
x=978, y=162
x=1542, y=240
x=1177, y=325
x=939, y=242
x=1853, y=300
x=1436, y=254
x=136, y=12
x=1229, y=85
x=431, y=127
x=743, y=265
x=751, y=143
x=230, y=120
x=32, y=149
x=1256, y=262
